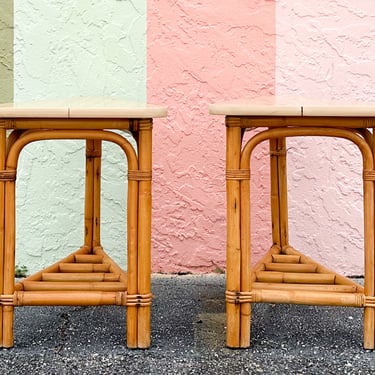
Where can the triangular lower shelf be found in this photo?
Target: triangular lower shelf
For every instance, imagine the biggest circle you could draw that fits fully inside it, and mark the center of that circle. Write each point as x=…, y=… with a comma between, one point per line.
x=288, y=269
x=85, y=277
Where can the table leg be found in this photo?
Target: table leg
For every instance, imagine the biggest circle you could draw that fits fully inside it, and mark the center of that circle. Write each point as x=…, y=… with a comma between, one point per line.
x=9, y=262
x=132, y=272
x=92, y=193
x=144, y=231
x=246, y=271
x=89, y=181
x=2, y=207
x=279, y=198
x=369, y=245
x=233, y=271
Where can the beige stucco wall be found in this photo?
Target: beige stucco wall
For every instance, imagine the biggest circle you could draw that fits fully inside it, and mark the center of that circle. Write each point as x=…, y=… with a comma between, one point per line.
x=64, y=49
x=6, y=51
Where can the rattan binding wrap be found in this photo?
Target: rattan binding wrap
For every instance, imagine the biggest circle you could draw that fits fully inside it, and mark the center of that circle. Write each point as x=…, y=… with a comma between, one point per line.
x=135, y=175
x=238, y=174
x=8, y=175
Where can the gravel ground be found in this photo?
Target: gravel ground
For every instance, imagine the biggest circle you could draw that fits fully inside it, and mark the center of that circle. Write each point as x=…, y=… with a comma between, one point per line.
x=188, y=337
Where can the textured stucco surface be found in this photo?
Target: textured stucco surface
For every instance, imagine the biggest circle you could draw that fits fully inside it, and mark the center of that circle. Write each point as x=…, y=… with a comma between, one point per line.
x=200, y=52
x=73, y=48
x=6, y=51
x=326, y=50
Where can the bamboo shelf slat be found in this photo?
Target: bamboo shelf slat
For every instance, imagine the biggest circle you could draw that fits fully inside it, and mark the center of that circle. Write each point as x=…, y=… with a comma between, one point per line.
x=317, y=287
x=70, y=298
x=73, y=285
x=84, y=276
x=295, y=278
x=88, y=258
x=283, y=258
x=83, y=267
x=290, y=267
x=309, y=297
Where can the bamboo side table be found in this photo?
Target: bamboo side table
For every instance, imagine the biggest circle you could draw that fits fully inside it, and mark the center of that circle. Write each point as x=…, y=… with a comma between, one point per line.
x=88, y=276
x=284, y=274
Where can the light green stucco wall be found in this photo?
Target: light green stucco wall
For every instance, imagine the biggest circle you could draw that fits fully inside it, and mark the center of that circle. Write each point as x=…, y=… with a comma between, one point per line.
x=6, y=51
x=64, y=49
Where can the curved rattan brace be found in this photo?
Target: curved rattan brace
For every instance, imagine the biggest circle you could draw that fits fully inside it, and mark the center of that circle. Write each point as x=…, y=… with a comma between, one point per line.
x=238, y=297
x=139, y=300
x=7, y=299
x=8, y=175
x=369, y=175
x=238, y=174
x=139, y=175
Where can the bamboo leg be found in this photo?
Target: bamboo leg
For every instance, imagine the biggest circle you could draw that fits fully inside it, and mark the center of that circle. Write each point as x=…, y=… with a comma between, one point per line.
x=9, y=262
x=233, y=273
x=97, y=192
x=279, y=198
x=275, y=204
x=89, y=214
x=245, y=263
x=2, y=203
x=92, y=193
x=283, y=190
x=131, y=314
x=369, y=232
x=144, y=230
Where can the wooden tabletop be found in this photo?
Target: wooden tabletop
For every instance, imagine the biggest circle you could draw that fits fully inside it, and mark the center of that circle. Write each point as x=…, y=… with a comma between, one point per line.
x=85, y=107
x=273, y=106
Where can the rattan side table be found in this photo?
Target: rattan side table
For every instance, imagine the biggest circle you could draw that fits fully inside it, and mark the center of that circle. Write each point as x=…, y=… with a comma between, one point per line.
x=88, y=276
x=284, y=274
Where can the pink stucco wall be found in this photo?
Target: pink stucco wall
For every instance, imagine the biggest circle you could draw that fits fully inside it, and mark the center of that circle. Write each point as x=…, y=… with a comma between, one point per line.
x=200, y=52
x=326, y=50
x=205, y=51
